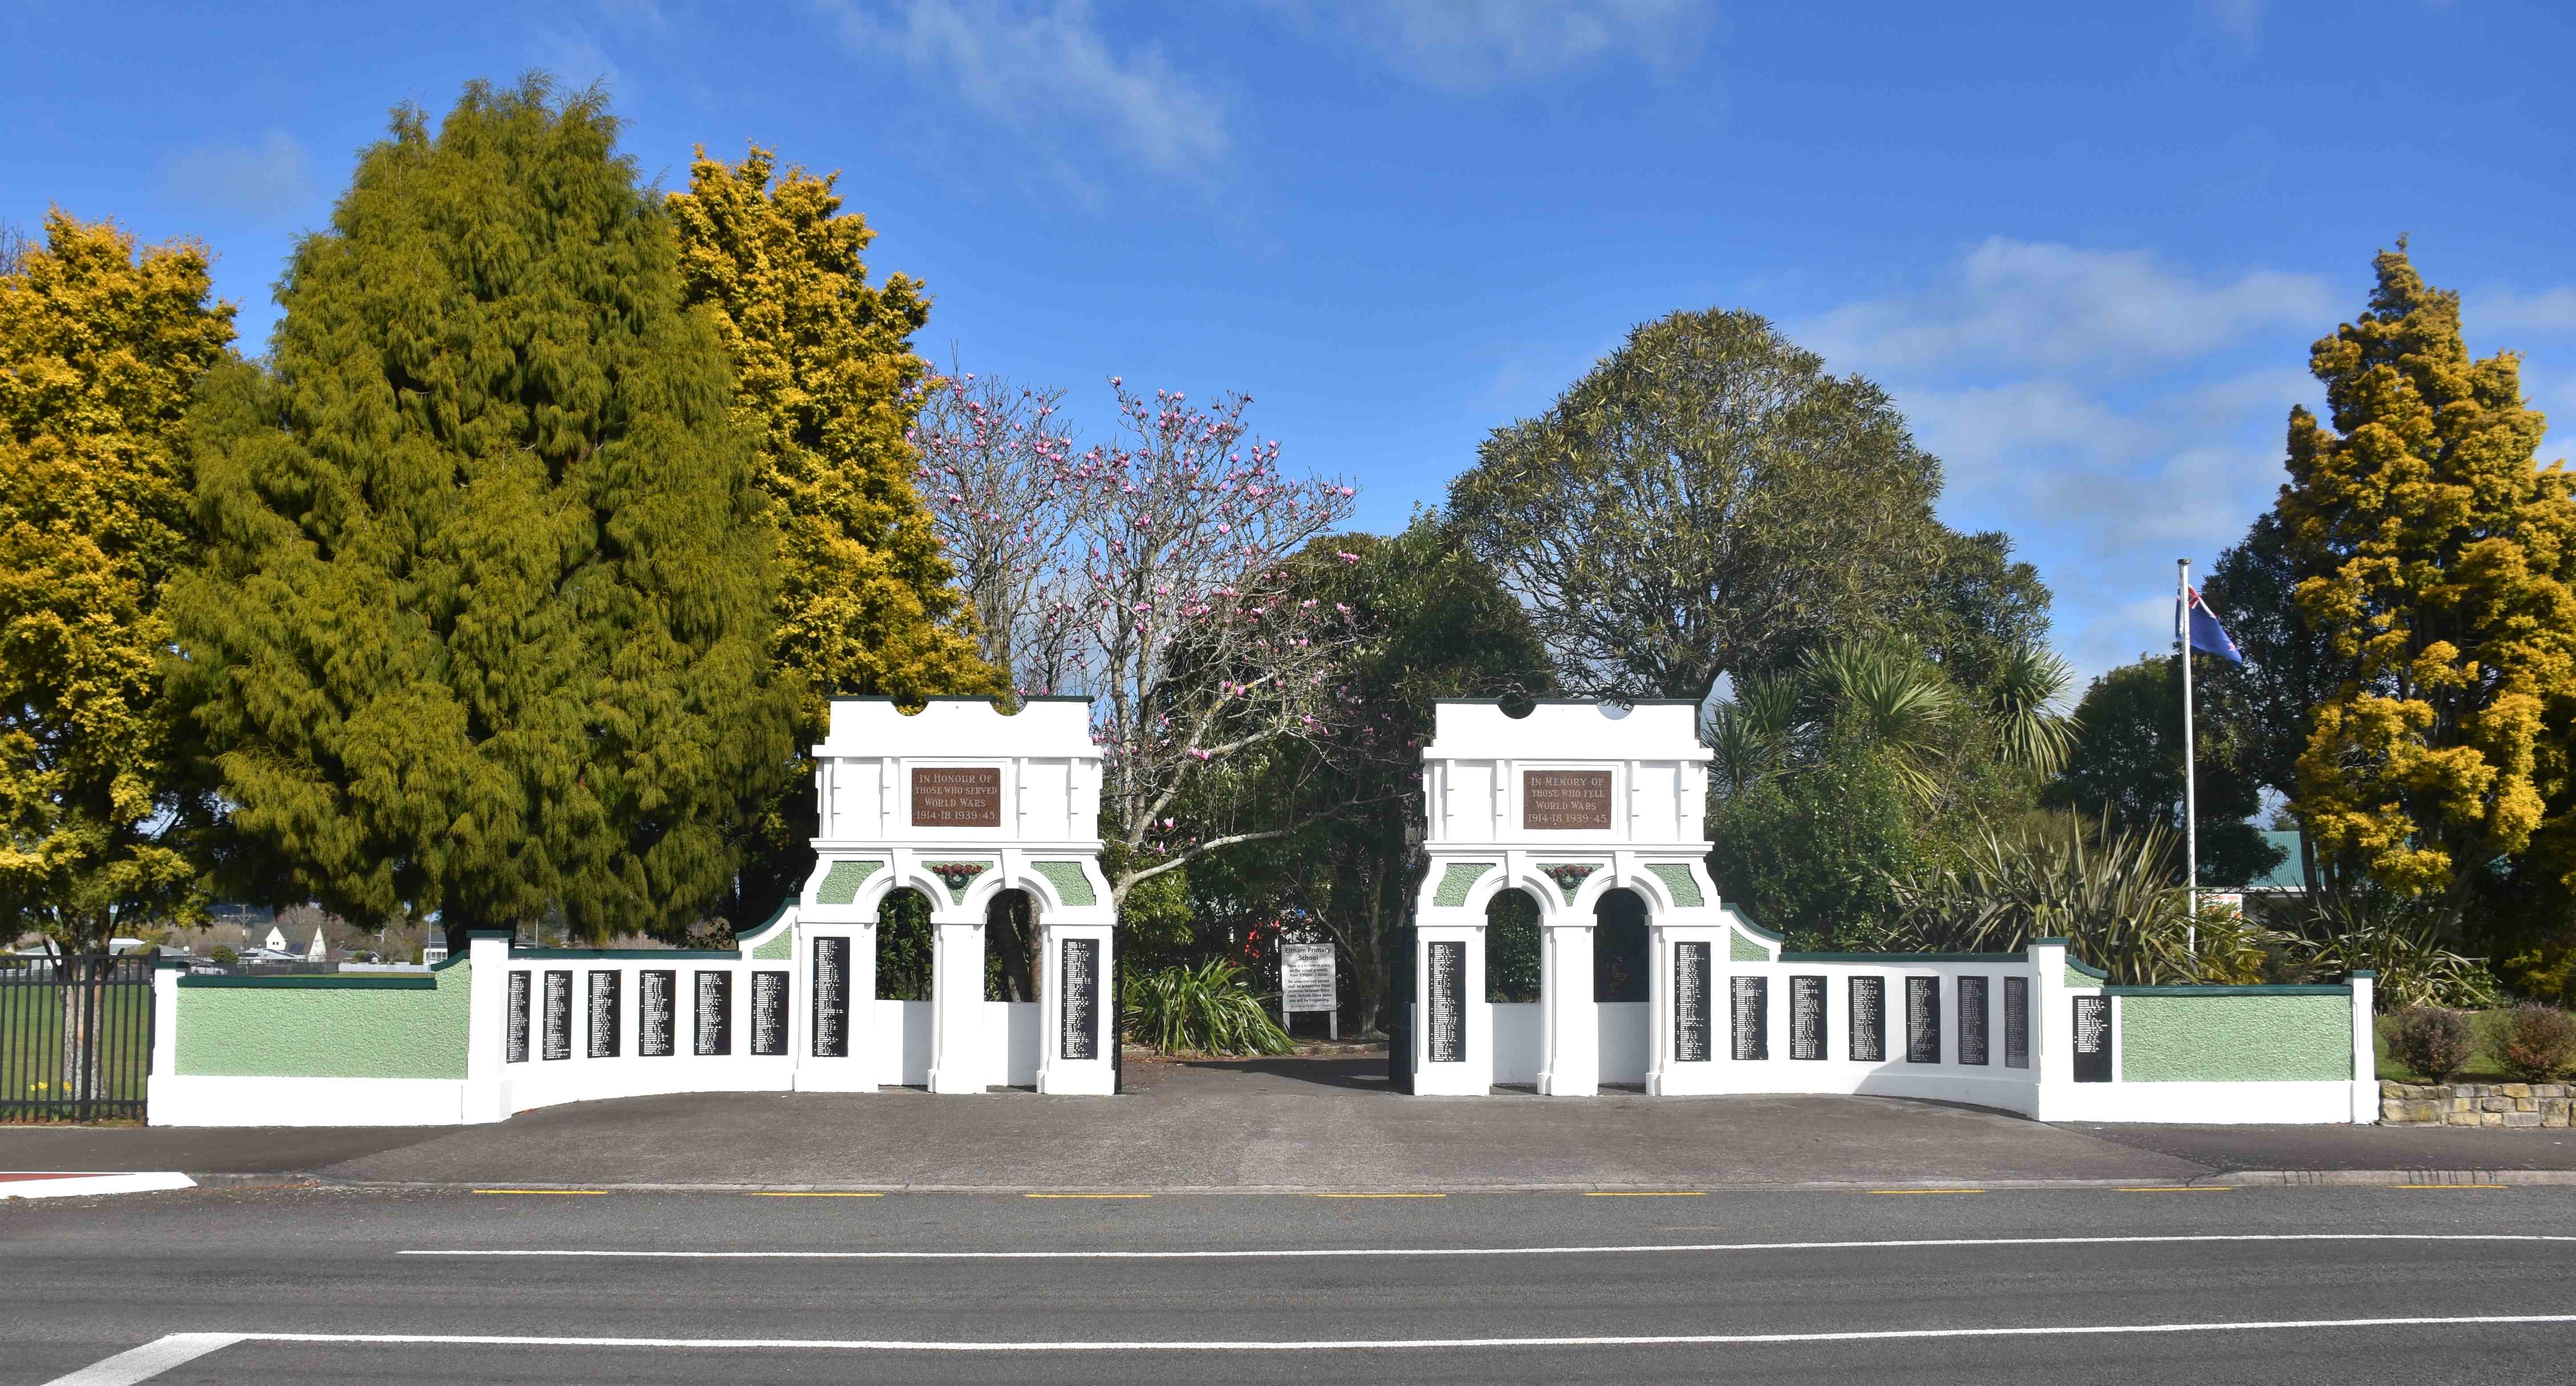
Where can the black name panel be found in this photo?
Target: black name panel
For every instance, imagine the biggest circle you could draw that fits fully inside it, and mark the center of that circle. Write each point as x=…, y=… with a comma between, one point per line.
x=769, y=1013
x=1923, y=1020
x=1081, y=1009
x=1690, y=1003
x=607, y=1001
x=1972, y=1020
x=657, y=1013
x=831, y=997
x=1806, y=1017
x=2092, y=1039
x=559, y=1015
x=715, y=1013
x=1750, y=1010
x=517, y=1032
x=2016, y=1022
x=1448, y=980
x=1869, y=1020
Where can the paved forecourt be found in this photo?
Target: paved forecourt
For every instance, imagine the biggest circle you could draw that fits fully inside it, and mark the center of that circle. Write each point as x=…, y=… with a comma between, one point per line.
x=2161, y=1285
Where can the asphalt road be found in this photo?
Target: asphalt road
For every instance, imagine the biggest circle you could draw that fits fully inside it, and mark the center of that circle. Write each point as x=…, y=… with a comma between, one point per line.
x=2001, y=1286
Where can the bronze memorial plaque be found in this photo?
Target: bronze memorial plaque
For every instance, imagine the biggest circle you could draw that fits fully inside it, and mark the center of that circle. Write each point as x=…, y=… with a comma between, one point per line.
x=957, y=796
x=1553, y=799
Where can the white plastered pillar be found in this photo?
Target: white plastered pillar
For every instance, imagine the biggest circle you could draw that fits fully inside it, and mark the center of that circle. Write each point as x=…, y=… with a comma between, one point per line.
x=958, y=1031
x=1572, y=1067
x=1471, y=1074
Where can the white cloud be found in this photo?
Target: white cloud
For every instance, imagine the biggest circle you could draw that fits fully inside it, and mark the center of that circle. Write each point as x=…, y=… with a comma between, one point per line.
x=1466, y=45
x=2240, y=20
x=2055, y=307
x=2503, y=312
x=1048, y=75
x=254, y=180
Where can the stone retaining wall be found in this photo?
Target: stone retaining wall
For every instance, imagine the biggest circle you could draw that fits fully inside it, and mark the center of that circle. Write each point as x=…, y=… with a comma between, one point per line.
x=2476, y=1104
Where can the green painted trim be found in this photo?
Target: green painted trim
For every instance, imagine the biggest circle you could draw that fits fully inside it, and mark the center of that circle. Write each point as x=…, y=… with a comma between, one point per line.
x=841, y=884
x=607, y=953
x=2076, y=967
x=415, y=1028
x=2319, y=989
x=1678, y=883
x=742, y=940
x=1072, y=885
x=1742, y=949
x=1754, y=927
x=1457, y=880
x=329, y=982
x=2263, y=1037
x=1904, y=959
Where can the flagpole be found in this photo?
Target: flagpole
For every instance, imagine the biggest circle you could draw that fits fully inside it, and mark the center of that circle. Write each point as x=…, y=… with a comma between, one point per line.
x=2190, y=795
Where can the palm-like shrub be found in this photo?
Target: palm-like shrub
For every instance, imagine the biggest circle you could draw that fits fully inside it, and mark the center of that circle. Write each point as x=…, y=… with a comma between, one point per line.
x=2114, y=891
x=1209, y=1009
x=2399, y=938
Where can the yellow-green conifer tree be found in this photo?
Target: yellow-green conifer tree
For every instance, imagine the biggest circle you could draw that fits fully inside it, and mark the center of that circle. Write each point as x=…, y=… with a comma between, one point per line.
x=826, y=386
x=2436, y=553
x=99, y=349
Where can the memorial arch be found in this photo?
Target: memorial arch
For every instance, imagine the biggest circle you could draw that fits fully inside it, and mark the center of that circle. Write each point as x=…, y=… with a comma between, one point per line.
x=1595, y=812
x=961, y=803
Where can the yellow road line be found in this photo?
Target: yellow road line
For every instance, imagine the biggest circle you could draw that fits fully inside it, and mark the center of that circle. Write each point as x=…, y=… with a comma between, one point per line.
x=1383, y=1195
x=1645, y=1193
x=1101, y=1195
x=2182, y=1188
x=765, y=1194
x=2449, y=1186
x=1925, y=1191
x=560, y=1192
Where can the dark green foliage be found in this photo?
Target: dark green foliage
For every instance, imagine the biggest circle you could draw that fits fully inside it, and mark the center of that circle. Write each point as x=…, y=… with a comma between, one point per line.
x=1975, y=608
x=1513, y=971
x=1209, y=1009
x=903, y=946
x=482, y=626
x=2128, y=764
x=2533, y=1042
x=2431, y=1040
x=1811, y=854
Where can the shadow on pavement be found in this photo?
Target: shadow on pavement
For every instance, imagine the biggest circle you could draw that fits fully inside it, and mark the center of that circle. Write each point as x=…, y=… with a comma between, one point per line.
x=1364, y=1074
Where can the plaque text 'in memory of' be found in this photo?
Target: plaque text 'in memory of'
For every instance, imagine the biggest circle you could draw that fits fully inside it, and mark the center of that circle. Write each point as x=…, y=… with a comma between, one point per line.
x=1556, y=800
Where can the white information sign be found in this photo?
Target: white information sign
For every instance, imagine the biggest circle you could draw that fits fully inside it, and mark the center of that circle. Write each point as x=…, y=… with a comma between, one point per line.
x=1306, y=981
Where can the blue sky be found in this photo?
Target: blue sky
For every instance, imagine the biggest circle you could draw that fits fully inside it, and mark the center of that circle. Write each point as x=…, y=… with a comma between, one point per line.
x=2086, y=246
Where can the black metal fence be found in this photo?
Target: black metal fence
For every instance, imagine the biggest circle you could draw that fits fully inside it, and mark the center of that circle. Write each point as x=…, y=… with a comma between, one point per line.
x=75, y=1037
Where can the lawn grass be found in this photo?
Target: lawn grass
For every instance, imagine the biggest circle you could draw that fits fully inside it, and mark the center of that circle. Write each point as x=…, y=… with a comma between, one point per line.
x=31, y=1027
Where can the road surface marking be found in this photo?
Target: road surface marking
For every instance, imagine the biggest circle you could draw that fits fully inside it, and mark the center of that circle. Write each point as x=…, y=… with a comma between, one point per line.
x=565, y=1193
x=1381, y=1195
x=1641, y=1193
x=2450, y=1186
x=1058, y=1195
x=1925, y=1191
x=148, y=1361
x=2187, y=1239
x=816, y=1194
x=1369, y=1344
x=2182, y=1188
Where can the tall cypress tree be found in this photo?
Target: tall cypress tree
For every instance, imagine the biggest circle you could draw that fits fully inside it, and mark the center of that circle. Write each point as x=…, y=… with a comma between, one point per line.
x=827, y=384
x=483, y=623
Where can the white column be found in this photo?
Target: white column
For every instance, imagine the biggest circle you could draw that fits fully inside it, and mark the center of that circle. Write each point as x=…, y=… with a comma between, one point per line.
x=1472, y=1074
x=957, y=1059
x=1057, y=1073
x=1659, y=1006
x=2365, y=1049
x=1573, y=1066
x=2052, y=1031
x=487, y=1006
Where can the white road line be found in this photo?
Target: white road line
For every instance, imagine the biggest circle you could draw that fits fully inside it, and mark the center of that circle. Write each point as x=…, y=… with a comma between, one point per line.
x=1351, y=1344
x=1286, y=1254
x=148, y=1361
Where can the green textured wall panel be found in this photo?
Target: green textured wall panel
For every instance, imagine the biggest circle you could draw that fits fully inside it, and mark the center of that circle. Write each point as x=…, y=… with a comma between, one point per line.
x=1456, y=880
x=1742, y=949
x=779, y=945
x=1071, y=886
x=1678, y=884
x=2235, y=1039
x=2076, y=978
x=326, y=1032
x=841, y=884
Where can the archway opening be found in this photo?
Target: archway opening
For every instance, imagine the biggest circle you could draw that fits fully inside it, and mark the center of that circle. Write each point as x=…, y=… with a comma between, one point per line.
x=1010, y=947
x=1516, y=986
x=904, y=963
x=1620, y=986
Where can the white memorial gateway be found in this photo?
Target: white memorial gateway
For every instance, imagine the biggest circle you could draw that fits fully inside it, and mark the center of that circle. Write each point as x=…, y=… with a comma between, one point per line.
x=961, y=803
x=1595, y=812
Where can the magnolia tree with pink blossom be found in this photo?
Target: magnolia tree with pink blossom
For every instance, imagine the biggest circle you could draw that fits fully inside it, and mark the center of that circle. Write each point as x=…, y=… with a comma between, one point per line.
x=994, y=467
x=1170, y=600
